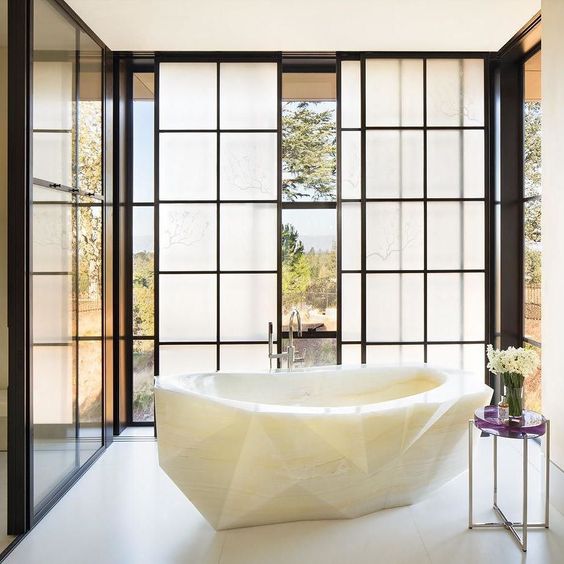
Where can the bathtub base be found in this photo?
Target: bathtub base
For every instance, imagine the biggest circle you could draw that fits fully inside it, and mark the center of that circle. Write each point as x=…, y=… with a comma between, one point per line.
x=242, y=468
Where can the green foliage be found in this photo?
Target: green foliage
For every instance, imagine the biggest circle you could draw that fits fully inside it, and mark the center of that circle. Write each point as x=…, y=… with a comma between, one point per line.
x=533, y=272
x=532, y=147
x=143, y=293
x=296, y=271
x=307, y=278
x=309, y=150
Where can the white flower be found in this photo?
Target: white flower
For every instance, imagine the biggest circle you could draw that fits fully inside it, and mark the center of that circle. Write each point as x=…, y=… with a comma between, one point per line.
x=517, y=361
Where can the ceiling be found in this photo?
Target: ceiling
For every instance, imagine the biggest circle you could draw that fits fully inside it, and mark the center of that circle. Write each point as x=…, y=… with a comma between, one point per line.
x=305, y=25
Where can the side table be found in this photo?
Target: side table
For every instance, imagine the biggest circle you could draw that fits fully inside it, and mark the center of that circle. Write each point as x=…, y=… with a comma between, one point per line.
x=534, y=425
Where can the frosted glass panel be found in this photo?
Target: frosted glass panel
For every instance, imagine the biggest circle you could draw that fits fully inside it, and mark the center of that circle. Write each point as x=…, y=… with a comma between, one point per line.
x=244, y=357
x=455, y=164
x=52, y=309
x=247, y=304
x=53, y=378
x=249, y=166
x=248, y=95
x=394, y=164
x=350, y=236
x=394, y=307
x=188, y=95
x=52, y=238
x=394, y=92
x=248, y=237
x=455, y=307
x=466, y=357
x=394, y=235
x=350, y=164
x=187, y=236
x=455, y=235
x=351, y=307
x=52, y=157
x=351, y=354
x=188, y=166
x=350, y=93
x=394, y=354
x=455, y=92
x=185, y=359
x=187, y=307
x=52, y=95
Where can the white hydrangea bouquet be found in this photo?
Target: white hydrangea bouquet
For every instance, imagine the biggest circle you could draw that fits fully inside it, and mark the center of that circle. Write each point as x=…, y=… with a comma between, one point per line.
x=513, y=366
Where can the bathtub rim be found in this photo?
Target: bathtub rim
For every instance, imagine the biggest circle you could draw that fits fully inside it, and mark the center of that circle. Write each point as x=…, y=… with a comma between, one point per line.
x=447, y=391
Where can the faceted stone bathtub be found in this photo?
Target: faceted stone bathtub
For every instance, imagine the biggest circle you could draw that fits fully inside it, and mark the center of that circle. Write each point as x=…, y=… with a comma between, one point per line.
x=322, y=443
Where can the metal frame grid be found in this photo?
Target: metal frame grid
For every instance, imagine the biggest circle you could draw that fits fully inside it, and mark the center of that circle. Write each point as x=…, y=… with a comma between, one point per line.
x=363, y=200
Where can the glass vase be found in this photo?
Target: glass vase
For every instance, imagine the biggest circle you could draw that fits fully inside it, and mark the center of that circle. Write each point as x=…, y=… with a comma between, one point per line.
x=514, y=395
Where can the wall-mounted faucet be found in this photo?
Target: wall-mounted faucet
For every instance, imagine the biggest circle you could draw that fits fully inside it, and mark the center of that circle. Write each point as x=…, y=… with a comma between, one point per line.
x=290, y=353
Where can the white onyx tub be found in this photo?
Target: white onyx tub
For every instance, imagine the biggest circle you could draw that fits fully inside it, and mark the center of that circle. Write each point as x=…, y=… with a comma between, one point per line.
x=322, y=443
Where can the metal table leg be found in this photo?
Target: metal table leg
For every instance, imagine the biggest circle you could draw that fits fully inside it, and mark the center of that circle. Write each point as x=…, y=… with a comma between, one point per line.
x=510, y=526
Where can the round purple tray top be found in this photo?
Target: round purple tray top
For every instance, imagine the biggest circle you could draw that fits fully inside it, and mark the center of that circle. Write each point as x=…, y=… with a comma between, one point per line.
x=533, y=424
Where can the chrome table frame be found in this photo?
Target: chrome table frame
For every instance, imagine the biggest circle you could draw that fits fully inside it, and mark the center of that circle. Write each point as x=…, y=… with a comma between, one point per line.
x=510, y=526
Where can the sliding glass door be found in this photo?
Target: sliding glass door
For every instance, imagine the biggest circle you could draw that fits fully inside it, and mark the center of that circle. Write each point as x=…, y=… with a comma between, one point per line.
x=66, y=250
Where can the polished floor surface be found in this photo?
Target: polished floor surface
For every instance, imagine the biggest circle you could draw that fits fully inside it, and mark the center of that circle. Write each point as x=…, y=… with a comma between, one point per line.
x=5, y=539
x=126, y=510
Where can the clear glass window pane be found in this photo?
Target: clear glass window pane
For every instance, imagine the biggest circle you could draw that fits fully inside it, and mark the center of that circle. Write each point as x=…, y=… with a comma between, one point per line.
x=351, y=354
x=143, y=258
x=455, y=92
x=309, y=267
x=394, y=92
x=247, y=304
x=350, y=236
x=90, y=395
x=89, y=116
x=455, y=307
x=188, y=95
x=187, y=307
x=455, y=235
x=186, y=359
x=350, y=93
x=394, y=307
x=248, y=237
x=188, y=166
x=455, y=164
x=394, y=164
x=394, y=354
x=350, y=164
x=90, y=270
x=394, y=235
x=188, y=235
x=244, y=357
x=248, y=95
x=309, y=151
x=249, y=167
x=315, y=352
x=532, y=310
x=143, y=375
x=533, y=385
x=350, y=307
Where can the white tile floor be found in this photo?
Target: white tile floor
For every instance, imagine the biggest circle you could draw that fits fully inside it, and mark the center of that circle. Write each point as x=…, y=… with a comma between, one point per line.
x=125, y=510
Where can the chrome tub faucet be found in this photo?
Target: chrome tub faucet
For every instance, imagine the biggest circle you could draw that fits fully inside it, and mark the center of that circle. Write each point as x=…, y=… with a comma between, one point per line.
x=290, y=353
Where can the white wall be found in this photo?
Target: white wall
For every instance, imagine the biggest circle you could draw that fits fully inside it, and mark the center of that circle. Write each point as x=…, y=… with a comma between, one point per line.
x=553, y=221
x=305, y=25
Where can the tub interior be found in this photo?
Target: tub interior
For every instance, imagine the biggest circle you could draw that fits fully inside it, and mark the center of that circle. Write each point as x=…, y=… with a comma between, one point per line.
x=325, y=388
